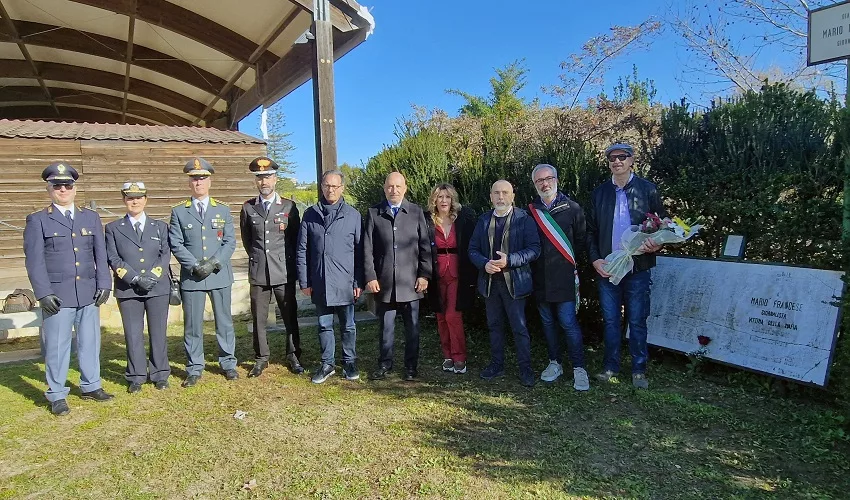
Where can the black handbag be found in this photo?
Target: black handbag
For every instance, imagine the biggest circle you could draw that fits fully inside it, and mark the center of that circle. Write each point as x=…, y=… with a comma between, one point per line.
x=174, y=295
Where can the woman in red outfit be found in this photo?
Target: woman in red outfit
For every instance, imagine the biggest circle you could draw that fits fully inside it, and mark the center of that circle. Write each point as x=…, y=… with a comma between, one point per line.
x=452, y=286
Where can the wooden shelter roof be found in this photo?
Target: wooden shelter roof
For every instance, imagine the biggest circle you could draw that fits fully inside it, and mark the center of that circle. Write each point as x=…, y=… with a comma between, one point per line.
x=28, y=129
x=159, y=62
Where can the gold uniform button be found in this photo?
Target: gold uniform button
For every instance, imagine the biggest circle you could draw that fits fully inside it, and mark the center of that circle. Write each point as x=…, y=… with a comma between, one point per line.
x=141, y=249
x=76, y=249
x=203, y=228
x=142, y=271
x=73, y=235
x=55, y=234
x=78, y=277
x=141, y=260
x=77, y=264
x=203, y=237
x=205, y=248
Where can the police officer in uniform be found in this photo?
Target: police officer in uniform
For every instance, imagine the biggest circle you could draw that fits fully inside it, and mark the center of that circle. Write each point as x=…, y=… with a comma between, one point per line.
x=66, y=265
x=138, y=253
x=269, y=229
x=202, y=238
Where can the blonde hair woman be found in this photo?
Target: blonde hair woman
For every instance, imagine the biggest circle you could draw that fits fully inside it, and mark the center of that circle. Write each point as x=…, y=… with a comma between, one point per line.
x=452, y=287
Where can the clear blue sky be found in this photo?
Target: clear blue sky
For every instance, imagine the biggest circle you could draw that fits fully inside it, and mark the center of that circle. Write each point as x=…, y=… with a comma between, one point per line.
x=419, y=49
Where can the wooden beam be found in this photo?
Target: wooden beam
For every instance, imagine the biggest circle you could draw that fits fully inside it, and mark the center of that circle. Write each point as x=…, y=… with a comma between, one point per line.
x=341, y=20
x=187, y=23
x=66, y=114
x=15, y=68
x=323, y=90
x=289, y=73
x=17, y=94
x=58, y=37
x=131, y=31
x=282, y=25
x=10, y=25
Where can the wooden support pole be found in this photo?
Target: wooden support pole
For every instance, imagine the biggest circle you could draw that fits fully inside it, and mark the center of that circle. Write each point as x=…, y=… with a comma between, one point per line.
x=323, y=89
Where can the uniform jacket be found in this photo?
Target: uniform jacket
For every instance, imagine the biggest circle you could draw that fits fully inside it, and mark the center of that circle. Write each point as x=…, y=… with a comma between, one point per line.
x=270, y=239
x=192, y=239
x=330, y=254
x=463, y=226
x=523, y=248
x=130, y=257
x=69, y=262
x=552, y=273
x=396, y=251
x=642, y=197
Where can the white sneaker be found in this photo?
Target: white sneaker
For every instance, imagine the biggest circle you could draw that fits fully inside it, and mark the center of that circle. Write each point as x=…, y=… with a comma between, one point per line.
x=552, y=372
x=580, y=380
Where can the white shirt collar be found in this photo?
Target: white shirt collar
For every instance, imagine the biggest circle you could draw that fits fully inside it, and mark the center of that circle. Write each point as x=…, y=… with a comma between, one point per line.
x=63, y=210
x=142, y=218
x=262, y=200
x=204, y=201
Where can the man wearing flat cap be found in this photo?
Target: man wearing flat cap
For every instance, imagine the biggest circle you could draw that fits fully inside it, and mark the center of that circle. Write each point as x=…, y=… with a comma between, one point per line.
x=66, y=265
x=202, y=239
x=614, y=207
x=269, y=230
x=138, y=253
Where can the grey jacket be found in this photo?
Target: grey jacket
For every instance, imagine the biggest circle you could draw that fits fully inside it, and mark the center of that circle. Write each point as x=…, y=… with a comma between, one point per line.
x=396, y=251
x=329, y=254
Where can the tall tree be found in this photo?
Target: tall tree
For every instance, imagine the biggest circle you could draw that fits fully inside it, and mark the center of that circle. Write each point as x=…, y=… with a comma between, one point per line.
x=279, y=145
x=504, y=99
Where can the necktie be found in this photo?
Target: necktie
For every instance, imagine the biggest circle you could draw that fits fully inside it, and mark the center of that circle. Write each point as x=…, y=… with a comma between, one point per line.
x=201, y=210
x=266, y=206
x=70, y=219
x=395, y=211
x=138, y=227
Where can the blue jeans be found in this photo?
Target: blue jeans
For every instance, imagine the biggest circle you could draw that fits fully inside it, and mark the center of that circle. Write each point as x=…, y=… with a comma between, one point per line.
x=633, y=292
x=327, y=341
x=566, y=317
x=498, y=304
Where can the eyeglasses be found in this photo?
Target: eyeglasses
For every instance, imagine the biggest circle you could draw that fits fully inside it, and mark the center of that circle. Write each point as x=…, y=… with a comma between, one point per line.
x=618, y=157
x=545, y=180
x=57, y=187
x=200, y=177
x=331, y=187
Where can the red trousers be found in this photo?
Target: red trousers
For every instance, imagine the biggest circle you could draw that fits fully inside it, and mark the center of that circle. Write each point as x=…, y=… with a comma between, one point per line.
x=450, y=322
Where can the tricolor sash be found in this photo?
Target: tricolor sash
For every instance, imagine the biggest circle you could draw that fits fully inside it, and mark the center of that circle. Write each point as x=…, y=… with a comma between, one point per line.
x=558, y=239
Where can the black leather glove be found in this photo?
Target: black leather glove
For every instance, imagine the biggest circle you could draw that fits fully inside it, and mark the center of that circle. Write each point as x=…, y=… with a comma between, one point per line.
x=202, y=269
x=50, y=304
x=145, y=284
x=215, y=263
x=100, y=297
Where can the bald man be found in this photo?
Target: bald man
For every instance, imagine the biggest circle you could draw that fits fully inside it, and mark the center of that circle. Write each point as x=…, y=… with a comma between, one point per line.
x=397, y=267
x=502, y=247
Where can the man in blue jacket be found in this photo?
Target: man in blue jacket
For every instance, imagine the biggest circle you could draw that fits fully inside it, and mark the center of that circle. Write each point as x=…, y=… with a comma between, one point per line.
x=614, y=206
x=329, y=259
x=66, y=265
x=503, y=245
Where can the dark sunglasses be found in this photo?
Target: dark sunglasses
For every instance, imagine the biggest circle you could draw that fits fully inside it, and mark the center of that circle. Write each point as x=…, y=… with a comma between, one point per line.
x=57, y=187
x=619, y=157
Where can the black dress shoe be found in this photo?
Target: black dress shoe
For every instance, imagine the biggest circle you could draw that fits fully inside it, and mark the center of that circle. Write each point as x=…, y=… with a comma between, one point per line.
x=410, y=374
x=231, y=374
x=295, y=365
x=59, y=408
x=134, y=387
x=97, y=395
x=381, y=373
x=258, y=368
x=161, y=384
x=191, y=380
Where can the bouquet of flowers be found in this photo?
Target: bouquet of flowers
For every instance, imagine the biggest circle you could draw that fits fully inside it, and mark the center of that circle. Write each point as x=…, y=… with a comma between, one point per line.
x=662, y=231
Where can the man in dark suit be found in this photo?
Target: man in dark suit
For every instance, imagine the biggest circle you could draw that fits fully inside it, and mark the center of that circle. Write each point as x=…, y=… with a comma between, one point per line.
x=202, y=238
x=397, y=267
x=269, y=229
x=138, y=253
x=66, y=265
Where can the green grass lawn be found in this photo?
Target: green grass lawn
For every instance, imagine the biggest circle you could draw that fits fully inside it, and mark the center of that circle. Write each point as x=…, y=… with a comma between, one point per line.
x=446, y=436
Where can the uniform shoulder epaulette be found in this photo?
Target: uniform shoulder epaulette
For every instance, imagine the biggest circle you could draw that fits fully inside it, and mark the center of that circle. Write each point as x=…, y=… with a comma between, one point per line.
x=220, y=202
x=187, y=202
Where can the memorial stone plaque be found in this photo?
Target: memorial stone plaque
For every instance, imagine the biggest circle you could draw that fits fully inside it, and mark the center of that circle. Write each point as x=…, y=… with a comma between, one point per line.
x=773, y=319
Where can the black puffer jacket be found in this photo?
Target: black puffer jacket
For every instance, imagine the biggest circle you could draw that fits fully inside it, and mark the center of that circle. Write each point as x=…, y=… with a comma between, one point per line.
x=553, y=274
x=642, y=197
